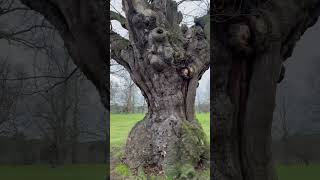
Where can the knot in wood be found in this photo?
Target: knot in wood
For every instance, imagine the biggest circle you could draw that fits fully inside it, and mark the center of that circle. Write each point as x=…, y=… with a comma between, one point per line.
x=261, y=28
x=158, y=35
x=160, y=46
x=179, y=57
x=142, y=21
x=157, y=63
x=240, y=33
x=240, y=37
x=187, y=72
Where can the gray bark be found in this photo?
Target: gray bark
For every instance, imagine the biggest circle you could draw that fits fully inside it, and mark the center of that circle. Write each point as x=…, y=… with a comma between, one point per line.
x=167, y=64
x=248, y=51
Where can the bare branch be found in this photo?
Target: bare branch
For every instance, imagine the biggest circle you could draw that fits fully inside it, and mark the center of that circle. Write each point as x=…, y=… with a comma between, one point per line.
x=84, y=36
x=118, y=17
x=121, y=50
x=54, y=85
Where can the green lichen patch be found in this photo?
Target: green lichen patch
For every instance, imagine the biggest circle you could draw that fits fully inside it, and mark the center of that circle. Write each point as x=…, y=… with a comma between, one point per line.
x=119, y=154
x=194, y=145
x=122, y=170
x=189, y=154
x=187, y=171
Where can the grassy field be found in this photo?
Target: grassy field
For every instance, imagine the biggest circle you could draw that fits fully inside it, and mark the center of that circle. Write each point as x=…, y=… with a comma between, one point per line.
x=97, y=172
x=121, y=124
x=68, y=172
x=120, y=127
x=299, y=172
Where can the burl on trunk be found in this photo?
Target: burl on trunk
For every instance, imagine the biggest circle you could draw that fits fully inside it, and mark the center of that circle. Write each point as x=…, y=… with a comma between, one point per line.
x=166, y=61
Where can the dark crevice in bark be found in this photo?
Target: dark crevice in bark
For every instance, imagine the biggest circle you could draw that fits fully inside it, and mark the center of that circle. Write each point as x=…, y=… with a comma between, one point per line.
x=244, y=91
x=239, y=77
x=185, y=90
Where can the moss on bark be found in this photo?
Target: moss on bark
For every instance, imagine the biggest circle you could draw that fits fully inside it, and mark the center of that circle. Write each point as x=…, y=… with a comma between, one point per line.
x=189, y=155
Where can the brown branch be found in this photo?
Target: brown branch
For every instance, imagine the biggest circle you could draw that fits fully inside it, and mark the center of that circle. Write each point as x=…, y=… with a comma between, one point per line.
x=121, y=50
x=54, y=85
x=118, y=17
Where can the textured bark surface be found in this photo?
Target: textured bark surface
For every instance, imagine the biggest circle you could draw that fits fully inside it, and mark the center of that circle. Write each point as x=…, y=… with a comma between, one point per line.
x=166, y=61
x=249, y=47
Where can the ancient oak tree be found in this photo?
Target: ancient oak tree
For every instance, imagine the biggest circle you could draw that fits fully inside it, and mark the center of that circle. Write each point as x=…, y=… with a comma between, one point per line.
x=251, y=39
x=165, y=60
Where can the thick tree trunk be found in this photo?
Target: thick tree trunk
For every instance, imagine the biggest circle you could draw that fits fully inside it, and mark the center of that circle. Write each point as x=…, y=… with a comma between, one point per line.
x=243, y=104
x=168, y=62
x=248, y=52
x=169, y=138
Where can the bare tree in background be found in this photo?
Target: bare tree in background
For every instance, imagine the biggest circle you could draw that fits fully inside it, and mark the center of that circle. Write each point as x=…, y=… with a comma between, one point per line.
x=57, y=111
x=128, y=90
x=10, y=94
x=124, y=94
x=55, y=88
x=33, y=31
x=22, y=35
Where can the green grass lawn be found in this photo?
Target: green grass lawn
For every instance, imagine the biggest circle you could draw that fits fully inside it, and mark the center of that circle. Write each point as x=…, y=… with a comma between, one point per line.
x=121, y=125
x=97, y=172
x=299, y=172
x=68, y=172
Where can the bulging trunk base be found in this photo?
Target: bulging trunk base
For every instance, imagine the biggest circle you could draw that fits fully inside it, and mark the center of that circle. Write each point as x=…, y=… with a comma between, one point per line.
x=173, y=146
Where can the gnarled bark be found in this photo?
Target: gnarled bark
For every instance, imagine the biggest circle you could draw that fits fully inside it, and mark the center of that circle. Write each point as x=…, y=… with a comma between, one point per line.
x=168, y=61
x=247, y=60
